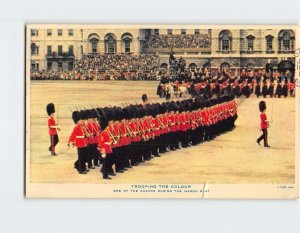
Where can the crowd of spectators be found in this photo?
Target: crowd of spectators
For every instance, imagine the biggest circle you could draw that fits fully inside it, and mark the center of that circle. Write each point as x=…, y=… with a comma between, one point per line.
x=117, y=62
x=178, y=41
x=74, y=75
x=106, y=67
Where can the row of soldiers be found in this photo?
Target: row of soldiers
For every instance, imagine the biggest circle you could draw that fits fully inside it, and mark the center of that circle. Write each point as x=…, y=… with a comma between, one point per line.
x=126, y=137
x=246, y=87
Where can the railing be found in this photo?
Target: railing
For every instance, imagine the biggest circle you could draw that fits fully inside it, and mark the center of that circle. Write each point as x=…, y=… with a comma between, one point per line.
x=176, y=50
x=286, y=51
x=60, y=55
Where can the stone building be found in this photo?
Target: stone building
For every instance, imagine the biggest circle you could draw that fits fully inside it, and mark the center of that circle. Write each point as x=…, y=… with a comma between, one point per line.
x=59, y=48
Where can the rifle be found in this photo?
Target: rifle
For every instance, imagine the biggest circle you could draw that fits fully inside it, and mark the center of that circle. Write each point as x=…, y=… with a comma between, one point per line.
x=57, y=114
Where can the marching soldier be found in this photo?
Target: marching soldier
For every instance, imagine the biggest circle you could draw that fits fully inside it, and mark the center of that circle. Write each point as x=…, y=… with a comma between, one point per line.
x=53, y=127
x=105, y=141
x=78, y=138
x=263, y=124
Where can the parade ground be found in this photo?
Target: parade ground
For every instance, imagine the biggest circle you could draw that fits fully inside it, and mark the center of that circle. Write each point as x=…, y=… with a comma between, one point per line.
x=232, y=158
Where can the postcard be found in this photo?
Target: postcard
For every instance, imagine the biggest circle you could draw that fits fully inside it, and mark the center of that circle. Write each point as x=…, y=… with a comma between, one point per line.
x=162, y=111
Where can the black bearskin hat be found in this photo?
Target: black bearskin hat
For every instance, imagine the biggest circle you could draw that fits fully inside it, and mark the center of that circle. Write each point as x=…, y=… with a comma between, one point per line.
x=50, y=109
x=144, y=98
x=75, y=117
x=262, y=106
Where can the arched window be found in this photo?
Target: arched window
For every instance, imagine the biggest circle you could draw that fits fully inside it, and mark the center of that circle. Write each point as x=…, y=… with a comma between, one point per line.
x=225, y=40
x=126, y=42
x=286, y=39
x=110, y=43
x=94, y=40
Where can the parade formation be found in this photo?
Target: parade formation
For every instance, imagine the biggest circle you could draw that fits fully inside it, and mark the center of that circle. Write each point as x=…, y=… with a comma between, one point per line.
x=262, y=83
x=122, y=137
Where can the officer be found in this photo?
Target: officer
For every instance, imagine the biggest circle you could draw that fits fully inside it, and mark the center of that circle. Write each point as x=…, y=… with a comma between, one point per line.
x=53, y=127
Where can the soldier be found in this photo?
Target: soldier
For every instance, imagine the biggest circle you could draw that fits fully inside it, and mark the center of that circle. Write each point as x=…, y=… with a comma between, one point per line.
x=285, y=89
x=263, y=124
x=78, y=138
x=156, y=130
x=92, y=140
x=278, y=91
x=265, y=89
x=291, y=87
x=53, y=127
x=145, y=99
x=271, y=89
x=105, y=142
x=257, y=89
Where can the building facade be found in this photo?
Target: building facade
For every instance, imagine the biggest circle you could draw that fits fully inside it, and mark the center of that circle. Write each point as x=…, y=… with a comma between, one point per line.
x=58, y=49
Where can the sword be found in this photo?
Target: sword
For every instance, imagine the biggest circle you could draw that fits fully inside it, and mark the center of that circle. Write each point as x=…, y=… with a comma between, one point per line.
x=57, y=114
x=272, y=113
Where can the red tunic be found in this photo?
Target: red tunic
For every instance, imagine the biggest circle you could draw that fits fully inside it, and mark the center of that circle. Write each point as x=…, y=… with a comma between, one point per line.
x=171, y=119
x=263, y=118
x=125, y=136
x=92, y=132
x=97, y=130
x=78, y=137
x=133, y=129
x=51, y=122
x=105, y=143
x=156, y=127
x=183, y=126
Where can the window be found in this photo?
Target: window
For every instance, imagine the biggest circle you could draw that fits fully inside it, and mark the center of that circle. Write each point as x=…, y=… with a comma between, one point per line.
x=70, y=49
x=156, y=31
x=35, y=65
x=81, y=49
x=197, y=31
x=225, y=39
x=59, y=32
x=286, y=41
x=169, y=32
x=49, y=65
x=34, y=32
x=127, y=46
x=94, y=44
x=250, y=41
x=59, y=64
x=225, y=44
x=183, y=31
x=70, y=32
x=34, y=49
x=111, y=45
x=70, y=64
x=269, y=43
x=49, y=49
x=49, y=32
x=59, y=50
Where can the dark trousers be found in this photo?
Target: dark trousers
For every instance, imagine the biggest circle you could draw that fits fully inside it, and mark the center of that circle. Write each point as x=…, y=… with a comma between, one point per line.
x=155, y=145
x=94, y=155
x=104, y=168
x=53, y=142
x=110, y=161
x=264, y=137
x=82, y=154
